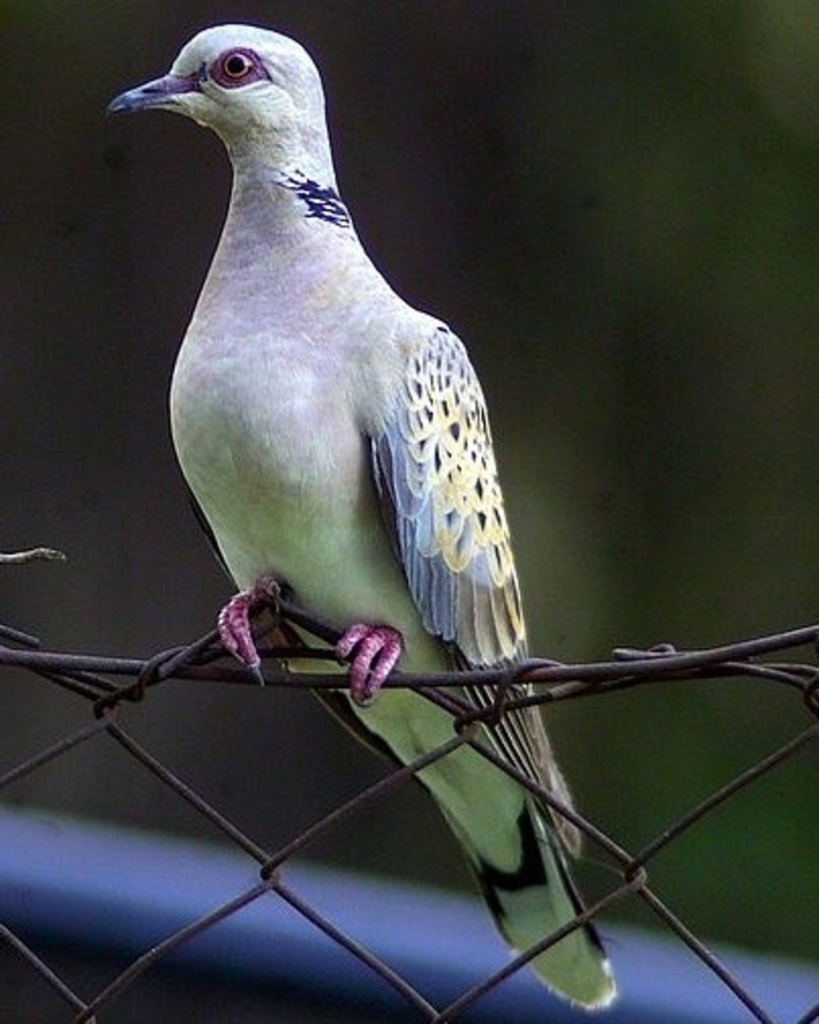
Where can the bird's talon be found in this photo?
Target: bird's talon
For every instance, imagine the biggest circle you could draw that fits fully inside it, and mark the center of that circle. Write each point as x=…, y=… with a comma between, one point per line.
x=374, y=651
x=256, y=672
x=233, y=623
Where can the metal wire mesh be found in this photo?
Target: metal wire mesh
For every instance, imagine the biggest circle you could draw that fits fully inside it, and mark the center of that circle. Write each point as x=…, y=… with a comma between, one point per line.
x=113, y=687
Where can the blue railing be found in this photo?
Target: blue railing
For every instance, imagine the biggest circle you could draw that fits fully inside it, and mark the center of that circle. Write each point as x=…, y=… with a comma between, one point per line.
x=109, y=891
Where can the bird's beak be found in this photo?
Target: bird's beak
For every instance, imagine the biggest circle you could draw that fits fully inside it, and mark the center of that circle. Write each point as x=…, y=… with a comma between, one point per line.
x=161, y=92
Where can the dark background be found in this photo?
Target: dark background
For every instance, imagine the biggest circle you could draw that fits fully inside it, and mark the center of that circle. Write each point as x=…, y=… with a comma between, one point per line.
x=617, y=207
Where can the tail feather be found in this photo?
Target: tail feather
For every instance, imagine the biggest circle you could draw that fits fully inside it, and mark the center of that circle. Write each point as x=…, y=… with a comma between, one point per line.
x=537, y=898
x=511, y=843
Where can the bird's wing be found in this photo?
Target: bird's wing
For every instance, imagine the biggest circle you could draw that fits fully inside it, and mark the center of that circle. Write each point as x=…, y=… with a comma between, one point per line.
x=438, y=483
x=436, y=475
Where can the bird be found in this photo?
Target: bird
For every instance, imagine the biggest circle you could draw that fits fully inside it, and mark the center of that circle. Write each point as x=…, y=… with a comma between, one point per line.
x=336, y=442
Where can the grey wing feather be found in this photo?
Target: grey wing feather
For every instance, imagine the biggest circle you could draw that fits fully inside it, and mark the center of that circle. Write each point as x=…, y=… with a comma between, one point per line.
x=435, y=470
x=437, y=479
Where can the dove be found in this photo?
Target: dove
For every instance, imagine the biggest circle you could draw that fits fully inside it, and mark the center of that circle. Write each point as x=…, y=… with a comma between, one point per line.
x=336, y=442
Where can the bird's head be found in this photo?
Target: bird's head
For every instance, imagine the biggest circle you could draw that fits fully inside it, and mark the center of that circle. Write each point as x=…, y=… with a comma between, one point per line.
x=247, y=84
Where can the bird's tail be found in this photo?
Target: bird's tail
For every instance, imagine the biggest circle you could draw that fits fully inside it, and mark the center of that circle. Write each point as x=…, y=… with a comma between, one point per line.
x=536, y=897
x=510, y=841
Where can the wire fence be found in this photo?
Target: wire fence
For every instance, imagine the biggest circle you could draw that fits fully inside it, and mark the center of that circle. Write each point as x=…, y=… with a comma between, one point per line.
x=111, y=686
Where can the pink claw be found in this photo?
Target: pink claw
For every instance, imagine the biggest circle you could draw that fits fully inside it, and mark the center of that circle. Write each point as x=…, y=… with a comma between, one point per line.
x=375, y=651
x=233, y=623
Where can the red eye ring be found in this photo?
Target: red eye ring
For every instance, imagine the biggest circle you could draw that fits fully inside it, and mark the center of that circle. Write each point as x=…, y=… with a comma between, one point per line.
x=238, y=67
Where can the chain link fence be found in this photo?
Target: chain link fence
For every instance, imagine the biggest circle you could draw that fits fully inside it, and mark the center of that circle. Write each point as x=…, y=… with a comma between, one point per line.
x=115, y=688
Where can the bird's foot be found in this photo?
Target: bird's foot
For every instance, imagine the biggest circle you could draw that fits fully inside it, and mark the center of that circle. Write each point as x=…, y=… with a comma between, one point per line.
x=233, y=623
x=373, y=652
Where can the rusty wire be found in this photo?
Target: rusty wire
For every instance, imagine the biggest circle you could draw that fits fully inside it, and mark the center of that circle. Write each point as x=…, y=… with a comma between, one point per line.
x=110, y=684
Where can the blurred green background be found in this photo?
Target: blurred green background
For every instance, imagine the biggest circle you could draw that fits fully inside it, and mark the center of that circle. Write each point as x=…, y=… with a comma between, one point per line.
x=617, y=206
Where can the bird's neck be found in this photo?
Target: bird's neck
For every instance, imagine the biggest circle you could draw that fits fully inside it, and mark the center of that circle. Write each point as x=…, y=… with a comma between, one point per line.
x=291, y=224
x=289, y=197
x=316, y=198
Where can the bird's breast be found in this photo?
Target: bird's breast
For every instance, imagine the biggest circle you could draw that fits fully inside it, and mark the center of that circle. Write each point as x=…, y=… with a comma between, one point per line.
x=282, y=472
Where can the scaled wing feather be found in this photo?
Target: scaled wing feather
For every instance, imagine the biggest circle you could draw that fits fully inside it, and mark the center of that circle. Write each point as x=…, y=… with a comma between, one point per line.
x=437, y=479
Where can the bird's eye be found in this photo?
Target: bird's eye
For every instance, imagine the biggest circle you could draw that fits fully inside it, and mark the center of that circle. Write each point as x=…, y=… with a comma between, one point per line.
x=237, y=67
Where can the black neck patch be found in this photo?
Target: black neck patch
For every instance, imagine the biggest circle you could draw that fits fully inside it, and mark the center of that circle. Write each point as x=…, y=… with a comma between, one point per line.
x=321, y=202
